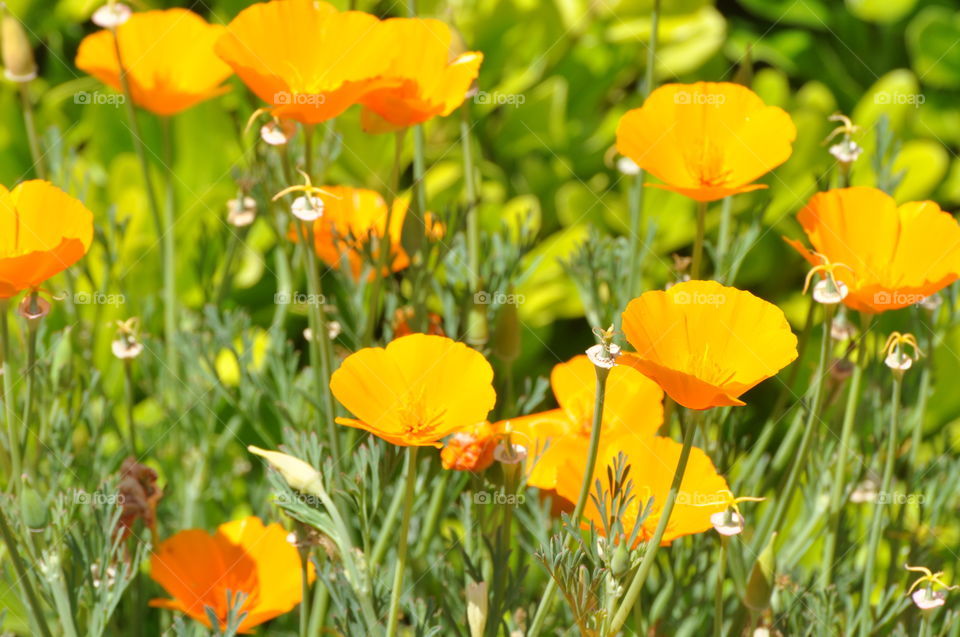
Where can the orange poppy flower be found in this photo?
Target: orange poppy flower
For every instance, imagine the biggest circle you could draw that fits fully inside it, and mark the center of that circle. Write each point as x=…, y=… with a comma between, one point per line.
x=470, y=450
x=305, y=58
x=351, y=217
x=419, y=389
x=652, y=461
x=43, y=231
x=168, y=56
x=706, y=344
x=243, y=556
x=403, y=316
x=430, y=84
x=706, y=140
x=896, y=256
x=632, y=402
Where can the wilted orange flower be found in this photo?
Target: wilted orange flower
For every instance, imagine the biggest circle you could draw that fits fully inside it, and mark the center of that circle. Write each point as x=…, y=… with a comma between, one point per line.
x=43, y=231
x=430, y=83
x=168, y=56
x=706, y=344
x=652, y=461
x=470, y=450
x=243, y=556
x=895, y=256
x=416, y=391
x=706, y=140
x=403, y=315
x=633, y=403
x=306, y=59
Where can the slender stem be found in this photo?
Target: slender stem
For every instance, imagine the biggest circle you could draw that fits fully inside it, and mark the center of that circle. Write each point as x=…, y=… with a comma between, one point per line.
x=304, y=590
x=793, y=477
x=227, y=279
x=595, y=427
x=169, y=254
x=22, y=576
x=385, y=244
x=866, y=626
x=718, y=593
x=320, y=356
x=697, y=265
x=433, y=515
x=32, y=326
x=385, y=538
x=473, y=222
x=839, y=478
x=411, y=480
x=13, y=432
x=131, y=424
x=723, y=237
x=35, y=152
x=636, y=585
x=635, y=195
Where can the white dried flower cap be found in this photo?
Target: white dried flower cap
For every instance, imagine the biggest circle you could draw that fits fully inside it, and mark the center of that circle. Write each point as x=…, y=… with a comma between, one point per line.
x=926, y=598
x=841, y=329
x=111, y=15
x=627, y=166
x=604, y=356
x=727, y=523
x=307, y=208
x=846, y=151
x=241, y=213
x=512, y=454
x=277, y=133
x=830, y=292
x=126, y=349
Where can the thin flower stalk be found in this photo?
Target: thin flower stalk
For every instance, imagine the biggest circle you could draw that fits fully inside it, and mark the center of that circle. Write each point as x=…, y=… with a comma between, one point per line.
x=696, y=266
x=603, y=371
x=23, y=577
x=410, y=481
x=653, y=546
x=635, y=195
x=876, y=521
x=13, y=427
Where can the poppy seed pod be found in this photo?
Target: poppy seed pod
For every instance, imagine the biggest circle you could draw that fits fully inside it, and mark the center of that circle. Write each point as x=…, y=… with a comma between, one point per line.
x=19, y=64
x=760, y=585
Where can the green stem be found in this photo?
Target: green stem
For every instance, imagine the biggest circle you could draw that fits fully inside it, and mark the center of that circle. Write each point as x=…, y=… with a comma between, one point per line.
x=385, y=538
x=697, y=265
x=131, y=424
x=320, y=355
x=783, y=502
x=839, y=478
x=169, y=254
x=595, y=427
x=636, y=585
x=723, y=237
x=473, y=222
x=718, y=593
x=411, y=480
x=385, y=244
x=433, y=515
x=866, y=625
x=32, y=326
x=304, y=591
x=22, y=576
x=13, y=433
x=635, y=195
x=35, y=152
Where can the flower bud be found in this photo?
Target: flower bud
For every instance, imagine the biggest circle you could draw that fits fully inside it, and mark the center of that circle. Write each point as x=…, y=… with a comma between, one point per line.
x=760, y=585
x=297, y=473
x=477, y=607
x=18, y=62
x=33, y=510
